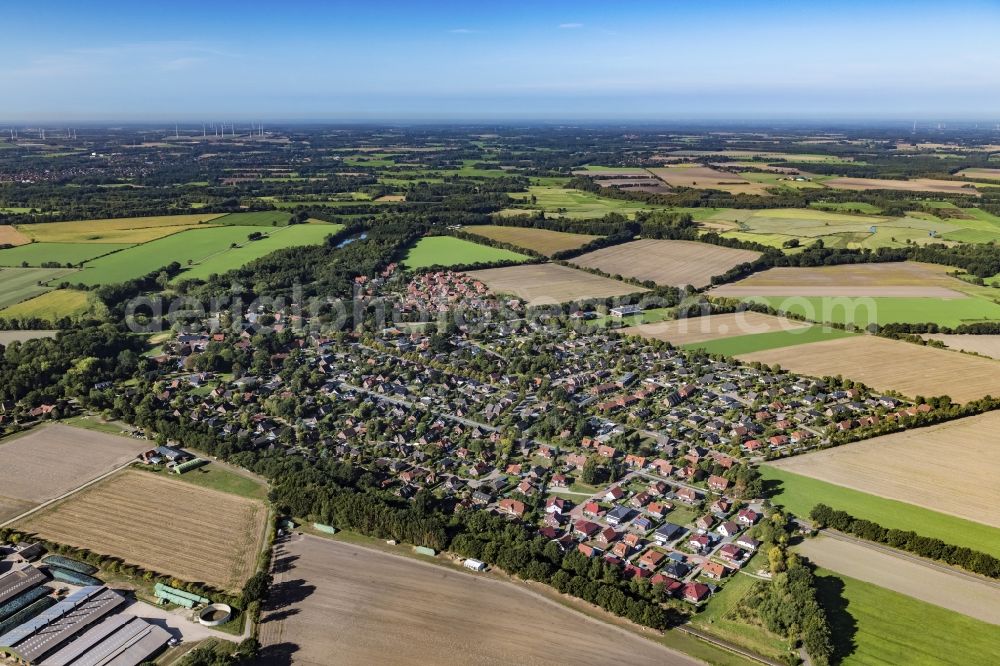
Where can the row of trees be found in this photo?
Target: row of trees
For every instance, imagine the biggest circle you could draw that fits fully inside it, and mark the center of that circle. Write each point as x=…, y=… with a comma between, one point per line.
x=935, y=549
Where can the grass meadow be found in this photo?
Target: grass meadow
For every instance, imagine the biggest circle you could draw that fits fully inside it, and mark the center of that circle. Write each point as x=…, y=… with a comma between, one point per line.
x=36, y=254
x=886, y=309
x=874, y=626
x=20, y=284
x=450, y=251
x=50, y=306
x=754, y=342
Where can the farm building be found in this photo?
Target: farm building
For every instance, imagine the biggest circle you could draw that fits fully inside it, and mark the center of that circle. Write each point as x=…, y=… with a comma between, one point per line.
x=84, y=628
x=15, y=582
x=625, y=311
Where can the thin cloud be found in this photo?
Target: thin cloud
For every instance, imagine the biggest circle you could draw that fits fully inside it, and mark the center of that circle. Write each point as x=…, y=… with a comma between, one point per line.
x=570, y=26
x=462, y=31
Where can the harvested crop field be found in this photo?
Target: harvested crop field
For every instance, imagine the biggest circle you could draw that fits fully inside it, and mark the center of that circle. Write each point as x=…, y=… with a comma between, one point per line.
x=368, y=607
x=913, y=185
x=887, y=365
x=542, y=241
x=963, y=454
x=703, y=177
x=902, y=279
x=984, y=345
x=711, y=327
x=551, y=283
x=968, y=595
x=981, y=174
x=11, y=236
x=666, y=262
x=115, y=230
x=161, y=524
x=54, y=459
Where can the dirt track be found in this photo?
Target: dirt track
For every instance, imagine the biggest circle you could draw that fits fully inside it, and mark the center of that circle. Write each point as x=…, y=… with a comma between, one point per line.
x=337, y=603
x=951, y=590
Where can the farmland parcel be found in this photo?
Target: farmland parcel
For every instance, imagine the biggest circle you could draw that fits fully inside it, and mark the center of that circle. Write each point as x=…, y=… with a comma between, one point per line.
x=711, y=327
x=964, y=453
x=872, y=625
x=542, y=241
x=54, y=459
x=891, y=365
x=20, y=284
x=799, y=494
x=968, y=595
x=115, y=230
x=162, y=525
x=666, y=262
x=436, y=616
x=551, y=283
x=450, y=251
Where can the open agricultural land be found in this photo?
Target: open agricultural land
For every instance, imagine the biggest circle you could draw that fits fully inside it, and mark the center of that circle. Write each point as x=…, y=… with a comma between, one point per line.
x=861, y=294
x=872, y=625
x=914, y=185
x=20, y=284
x=451, y=251
x=688, y=331
x=984, y=345
x=703, y=177
x=11, y=236
x=776, y=227
x=748, y=344
x=891, y=365
x=575, y=204
x=161, y=524
x=904, y=278
x=276, y=239
x=666, y=262
x=36, y=254
x=53, y=459
x=542, y=241
x=551, y=283
x=895, y=466
x=969, y=595
x=50, y=306
x=980, y=174
x=202, y=251
x=115, y=230
x=799, y=494
x=403, y=611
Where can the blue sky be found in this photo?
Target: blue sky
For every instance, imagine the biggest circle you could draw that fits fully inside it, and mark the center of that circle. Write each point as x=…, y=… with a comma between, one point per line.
x=669, y=59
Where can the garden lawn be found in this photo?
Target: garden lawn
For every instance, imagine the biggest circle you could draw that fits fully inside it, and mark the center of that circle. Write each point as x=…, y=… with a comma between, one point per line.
x=878, y=626
x=36, y=254
x=799, y=494
x=716, y=620
x=746, y=344
x=450, y=251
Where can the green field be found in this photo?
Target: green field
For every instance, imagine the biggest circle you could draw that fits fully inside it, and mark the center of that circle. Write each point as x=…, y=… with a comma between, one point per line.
x=50, y=306
x=278, y=239
x=560, y=202
x=36, y=254
x=19, y=284
x=847, y=206
x=450, y=251
x=219, y=478
x=843, y=230
x=799, y=494
x=263, y=218
x=887, y=309
x=754, y=342
x=875, y=626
